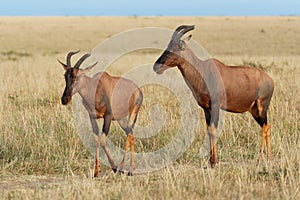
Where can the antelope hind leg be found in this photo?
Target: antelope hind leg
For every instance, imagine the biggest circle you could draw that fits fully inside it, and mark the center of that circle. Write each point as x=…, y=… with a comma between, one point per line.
x=212, y=132
x=97, y=169
x=266, y=132
x=125, y=152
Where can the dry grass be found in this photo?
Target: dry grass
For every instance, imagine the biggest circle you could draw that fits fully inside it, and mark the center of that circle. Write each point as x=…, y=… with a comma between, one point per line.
x=41, y=155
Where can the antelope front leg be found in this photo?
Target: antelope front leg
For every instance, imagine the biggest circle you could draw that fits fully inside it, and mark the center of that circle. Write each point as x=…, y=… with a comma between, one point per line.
x=96, y=144
x=97, y=169
x=110, y=160
x=106, y=125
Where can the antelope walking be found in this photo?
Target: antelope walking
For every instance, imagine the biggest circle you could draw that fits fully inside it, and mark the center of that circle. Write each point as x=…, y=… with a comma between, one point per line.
x=108, y=97
x=217, y=86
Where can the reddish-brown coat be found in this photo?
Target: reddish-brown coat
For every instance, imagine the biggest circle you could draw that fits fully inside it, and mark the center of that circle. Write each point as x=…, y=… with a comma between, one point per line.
x=217, y=86
x=104, y=96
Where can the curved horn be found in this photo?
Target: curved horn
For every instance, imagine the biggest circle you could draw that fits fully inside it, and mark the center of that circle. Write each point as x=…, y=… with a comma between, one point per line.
x=80, y=61
x=181, y=30
x=70, y=54
x=63, y=64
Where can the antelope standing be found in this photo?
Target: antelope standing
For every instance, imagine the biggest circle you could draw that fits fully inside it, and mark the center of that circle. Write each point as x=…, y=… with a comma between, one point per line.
x=108, y=97
x=217, y=86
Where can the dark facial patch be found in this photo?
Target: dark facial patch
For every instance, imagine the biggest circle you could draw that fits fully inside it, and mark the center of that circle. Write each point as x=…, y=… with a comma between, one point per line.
x=172, y=48
x=162, y=59
x=168, y=58
x=70, y=78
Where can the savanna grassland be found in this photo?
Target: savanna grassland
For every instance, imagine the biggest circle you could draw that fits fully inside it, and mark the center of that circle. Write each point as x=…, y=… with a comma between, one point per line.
x=42, y=156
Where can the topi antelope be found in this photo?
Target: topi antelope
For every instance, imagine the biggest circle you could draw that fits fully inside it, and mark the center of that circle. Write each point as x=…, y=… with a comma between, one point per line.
x=217, y=86
x=108, y=97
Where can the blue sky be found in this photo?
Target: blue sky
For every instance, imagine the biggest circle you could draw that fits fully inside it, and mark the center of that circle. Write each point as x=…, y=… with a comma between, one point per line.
x=146, y=8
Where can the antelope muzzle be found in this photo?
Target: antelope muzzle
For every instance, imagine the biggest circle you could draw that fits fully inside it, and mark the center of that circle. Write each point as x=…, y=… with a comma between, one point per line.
x=160, y=65
x=66, y=97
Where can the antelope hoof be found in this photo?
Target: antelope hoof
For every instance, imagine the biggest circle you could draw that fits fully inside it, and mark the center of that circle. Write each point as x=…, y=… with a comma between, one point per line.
x=96, y=174
x=259, y=160
x=97, y=171
x=213, y=162
x=130, y=174
x=114, y=170
x=120, y=172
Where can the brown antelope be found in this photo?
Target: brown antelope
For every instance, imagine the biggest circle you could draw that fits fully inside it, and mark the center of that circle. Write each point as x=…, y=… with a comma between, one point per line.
x=108, y=97
x=217, y=86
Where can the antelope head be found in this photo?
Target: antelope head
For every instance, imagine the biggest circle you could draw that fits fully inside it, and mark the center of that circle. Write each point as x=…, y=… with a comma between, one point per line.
x=174, y=54
x=72, y=76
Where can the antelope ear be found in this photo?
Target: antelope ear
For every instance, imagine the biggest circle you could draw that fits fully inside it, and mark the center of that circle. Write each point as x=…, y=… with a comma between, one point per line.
x=187, y=39
x=63, y=64
x=183, y=42
x=86, y=70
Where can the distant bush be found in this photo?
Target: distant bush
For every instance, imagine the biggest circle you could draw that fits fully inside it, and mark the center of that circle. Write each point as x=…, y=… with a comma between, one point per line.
x=14, y=56
x=258, y=65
